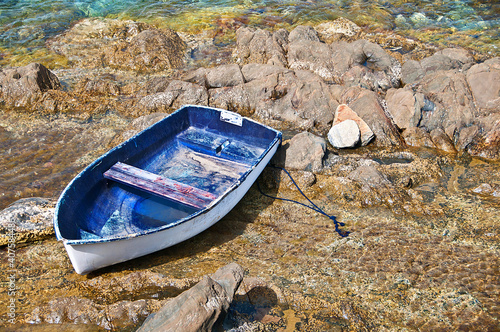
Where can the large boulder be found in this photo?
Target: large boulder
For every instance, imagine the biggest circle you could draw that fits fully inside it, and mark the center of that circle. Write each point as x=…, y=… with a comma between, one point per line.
x=484, y=82
x=405, y=107
x=260, y=46
x=305, y=152
x=23, y=86
x=413, y=71
x=148, y=51
x=454, y=105
x=299, y=97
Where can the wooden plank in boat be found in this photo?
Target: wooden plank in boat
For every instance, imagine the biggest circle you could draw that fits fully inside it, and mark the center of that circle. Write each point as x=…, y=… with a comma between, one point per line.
x=159, y=185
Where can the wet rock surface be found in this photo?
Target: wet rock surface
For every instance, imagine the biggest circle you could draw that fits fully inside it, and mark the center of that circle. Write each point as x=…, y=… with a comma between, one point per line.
x=420, y=197
x=28, y=219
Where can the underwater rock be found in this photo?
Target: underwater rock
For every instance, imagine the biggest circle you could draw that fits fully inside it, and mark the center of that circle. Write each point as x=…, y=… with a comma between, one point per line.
x=23, y=86
x=26, y=220
x=77, y=310
x=305, y=151
x=339, y=29
x=344, y=134
x=201, y=307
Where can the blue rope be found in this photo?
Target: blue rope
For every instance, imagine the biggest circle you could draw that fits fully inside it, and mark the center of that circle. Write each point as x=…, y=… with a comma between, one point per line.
x=313, y=206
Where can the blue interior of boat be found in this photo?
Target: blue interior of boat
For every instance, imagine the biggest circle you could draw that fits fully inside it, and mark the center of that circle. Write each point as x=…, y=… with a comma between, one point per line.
x=192, y=146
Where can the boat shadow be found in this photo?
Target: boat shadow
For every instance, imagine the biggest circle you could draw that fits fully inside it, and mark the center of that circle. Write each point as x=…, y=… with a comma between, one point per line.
x=227, y=229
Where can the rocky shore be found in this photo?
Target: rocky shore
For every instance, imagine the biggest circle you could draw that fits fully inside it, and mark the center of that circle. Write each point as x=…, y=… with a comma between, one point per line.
x=400, y=140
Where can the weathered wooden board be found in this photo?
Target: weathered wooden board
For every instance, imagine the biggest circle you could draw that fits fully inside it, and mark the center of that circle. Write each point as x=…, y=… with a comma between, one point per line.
x=159, y=185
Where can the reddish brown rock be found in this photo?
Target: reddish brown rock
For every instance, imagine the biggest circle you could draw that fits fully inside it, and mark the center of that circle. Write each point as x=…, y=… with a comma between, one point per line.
x=367, y=106
x=344, y=112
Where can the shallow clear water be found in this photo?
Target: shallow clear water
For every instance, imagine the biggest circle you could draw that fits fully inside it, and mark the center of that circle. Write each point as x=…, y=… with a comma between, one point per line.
x=26, y=25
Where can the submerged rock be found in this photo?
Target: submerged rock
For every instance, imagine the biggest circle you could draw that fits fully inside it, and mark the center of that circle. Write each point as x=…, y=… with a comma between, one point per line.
x=26, y=220
x=201, y=307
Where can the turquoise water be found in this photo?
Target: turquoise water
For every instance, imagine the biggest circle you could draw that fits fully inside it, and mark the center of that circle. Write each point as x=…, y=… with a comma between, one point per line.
x=27, y=24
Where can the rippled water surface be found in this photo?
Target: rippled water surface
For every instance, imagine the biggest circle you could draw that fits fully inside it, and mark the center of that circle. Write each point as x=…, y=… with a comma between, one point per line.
x=26, y=25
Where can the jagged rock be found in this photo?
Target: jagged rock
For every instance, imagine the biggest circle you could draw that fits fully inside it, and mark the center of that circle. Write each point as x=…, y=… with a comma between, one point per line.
x=372, y=54
x=312, y=55
x=28, y=219
x=85, y=41
x=344, y=134
x=224, y=76
x=413, y=71
x=305, y=151
x=303, y=32
x=260, y=46
x=404, y=107
x=178, y=93
x=454, y=107
x=297, y=97
x=23, y=86
x=201, y=307
x=148, y=51
x=484, y=82
x=487, y=144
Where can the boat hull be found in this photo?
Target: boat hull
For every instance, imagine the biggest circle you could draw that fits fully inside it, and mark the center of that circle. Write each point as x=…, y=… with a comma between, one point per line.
x=87, y=256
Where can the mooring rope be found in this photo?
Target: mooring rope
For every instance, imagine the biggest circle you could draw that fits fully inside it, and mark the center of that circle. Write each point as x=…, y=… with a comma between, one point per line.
x=313, y=206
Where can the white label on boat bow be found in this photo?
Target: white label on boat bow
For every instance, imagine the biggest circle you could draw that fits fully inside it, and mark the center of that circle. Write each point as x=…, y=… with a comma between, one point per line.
x=231, y=117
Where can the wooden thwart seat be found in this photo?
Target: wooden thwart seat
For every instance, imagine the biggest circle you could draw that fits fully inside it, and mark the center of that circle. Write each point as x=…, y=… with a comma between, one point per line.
x=158, y=185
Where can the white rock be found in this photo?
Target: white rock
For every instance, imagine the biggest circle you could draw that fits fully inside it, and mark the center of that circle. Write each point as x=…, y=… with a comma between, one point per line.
x=345, y=134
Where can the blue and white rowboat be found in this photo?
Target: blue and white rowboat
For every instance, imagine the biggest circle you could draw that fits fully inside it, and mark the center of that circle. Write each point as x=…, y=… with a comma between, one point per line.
x=166, y=184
